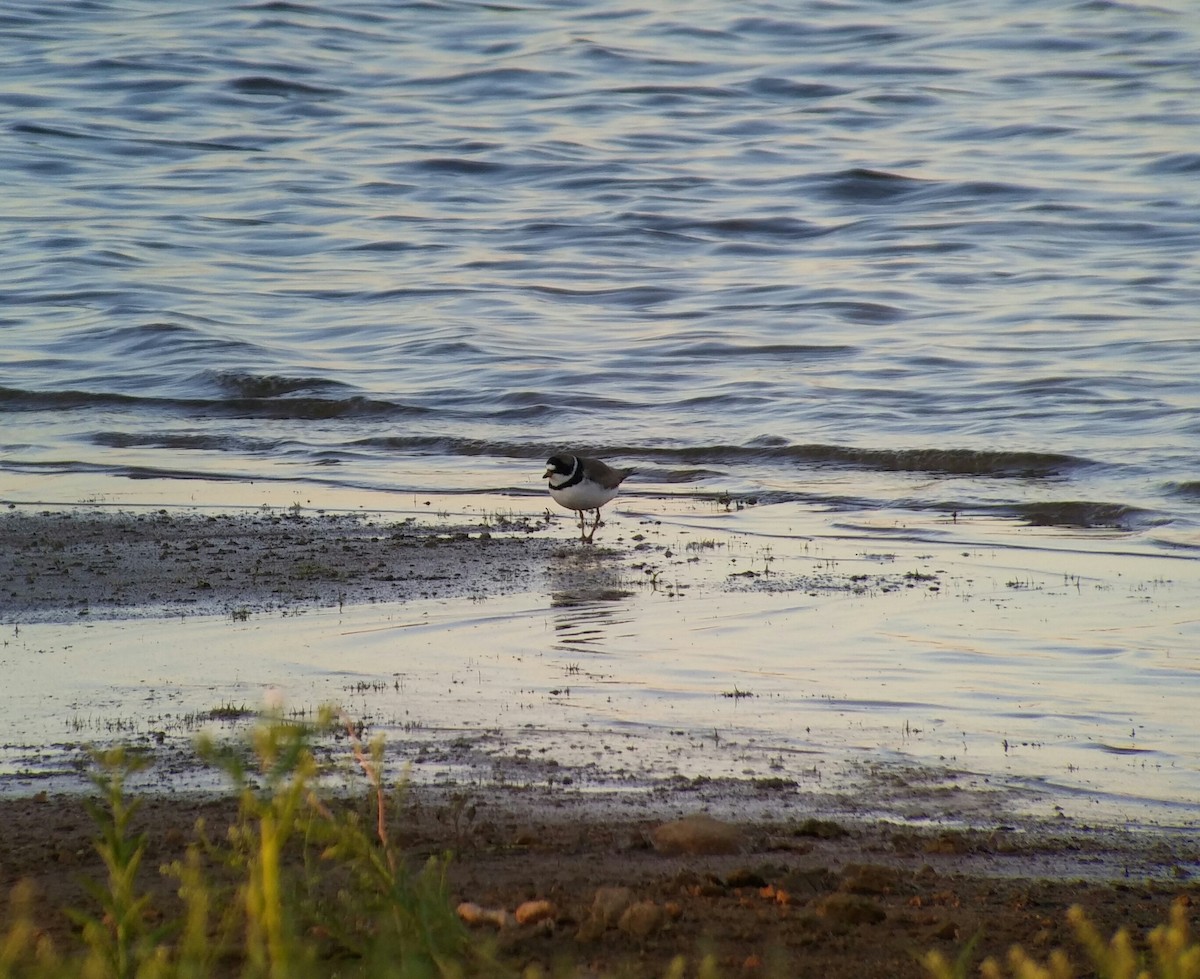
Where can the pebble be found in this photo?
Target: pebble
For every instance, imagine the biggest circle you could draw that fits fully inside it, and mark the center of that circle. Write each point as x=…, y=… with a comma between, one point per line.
x=531, y=912
x=470, y=913
x=850, y=909
x=610, y=903
x=642, y=920
x=698, y=834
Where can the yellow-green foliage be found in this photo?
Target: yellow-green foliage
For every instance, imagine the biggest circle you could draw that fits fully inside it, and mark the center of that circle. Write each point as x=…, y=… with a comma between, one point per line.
x=354, y=899
x=1172, y=955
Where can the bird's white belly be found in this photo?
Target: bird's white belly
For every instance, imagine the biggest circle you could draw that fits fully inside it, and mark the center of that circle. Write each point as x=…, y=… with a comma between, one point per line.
x=582, y=496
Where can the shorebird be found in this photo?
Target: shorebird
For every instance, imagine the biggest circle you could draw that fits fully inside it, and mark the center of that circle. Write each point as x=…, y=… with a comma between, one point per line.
x=580, y=483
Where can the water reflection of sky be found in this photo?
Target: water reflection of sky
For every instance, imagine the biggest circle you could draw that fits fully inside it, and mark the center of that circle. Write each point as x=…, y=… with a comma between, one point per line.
x=764, y=646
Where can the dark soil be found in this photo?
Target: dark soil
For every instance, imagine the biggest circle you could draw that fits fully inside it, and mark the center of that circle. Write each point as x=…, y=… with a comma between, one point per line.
x=832, y=900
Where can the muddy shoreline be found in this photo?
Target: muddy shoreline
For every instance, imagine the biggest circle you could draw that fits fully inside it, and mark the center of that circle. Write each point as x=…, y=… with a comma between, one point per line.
x=92, y=564
x=61, y=565
x=851, y=882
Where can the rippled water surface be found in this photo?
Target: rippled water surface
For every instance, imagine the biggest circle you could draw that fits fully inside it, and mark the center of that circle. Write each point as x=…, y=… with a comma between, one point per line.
x=799, y=249
x=895, y=257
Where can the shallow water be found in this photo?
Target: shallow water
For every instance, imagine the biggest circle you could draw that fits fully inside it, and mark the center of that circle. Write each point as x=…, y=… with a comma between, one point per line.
x=860, y=267
x=864, y=664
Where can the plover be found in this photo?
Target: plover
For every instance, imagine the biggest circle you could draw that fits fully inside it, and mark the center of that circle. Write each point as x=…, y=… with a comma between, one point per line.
x=580, y=483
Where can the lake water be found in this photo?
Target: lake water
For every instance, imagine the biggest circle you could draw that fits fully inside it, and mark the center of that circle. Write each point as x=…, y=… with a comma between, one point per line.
x=914, y=259
x=921, y=254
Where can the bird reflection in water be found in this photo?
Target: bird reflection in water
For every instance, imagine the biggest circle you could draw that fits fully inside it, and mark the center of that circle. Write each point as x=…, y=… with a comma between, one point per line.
x=589, y=595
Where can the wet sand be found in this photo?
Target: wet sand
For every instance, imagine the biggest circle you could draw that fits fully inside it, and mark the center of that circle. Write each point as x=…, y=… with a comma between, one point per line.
x=59, y=565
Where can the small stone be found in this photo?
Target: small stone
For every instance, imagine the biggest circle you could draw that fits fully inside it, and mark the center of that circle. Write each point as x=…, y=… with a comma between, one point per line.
x=949, y=844
x=531, y=912
x=699, y=834
x=745, y=877
x=641, y=920
x=809, y=881
x=470, y=913
x=821, y=829
x=871, y=879
x=947, y=931
x=610, y=903
x=590, y=930
x=850, y=909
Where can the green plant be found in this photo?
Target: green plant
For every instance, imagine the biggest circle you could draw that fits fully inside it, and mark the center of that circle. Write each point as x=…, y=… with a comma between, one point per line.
x=358, y=899
x=248, y=907
x=397, y=915
x=1173, y=955
x=120, y=939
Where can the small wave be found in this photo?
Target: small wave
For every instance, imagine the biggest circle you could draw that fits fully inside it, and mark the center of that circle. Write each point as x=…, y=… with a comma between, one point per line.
x=992, y=190
x=865, y=186
x=37, y=129
x=808, y=32
x=183, y=440
x=74, y=466
x=15, y=399
x=662, y=95
x=957, y=462
x=858, y=311
x=687, y=475
x=458, y=165
x=708, y=458
x=1189, y=488
x=1174, y=163
x=1087, y=515
x=764, y=227
x=306, y=409
x=130, y=139
x=636, y=297
x=254, y=386
x=303, y=409
x=279, y=87
x=786, y=88
x=162, y=339
x=1116, y=749
x=718, y=350
x=1014, y=131
x=492, y=83
x=449, y=445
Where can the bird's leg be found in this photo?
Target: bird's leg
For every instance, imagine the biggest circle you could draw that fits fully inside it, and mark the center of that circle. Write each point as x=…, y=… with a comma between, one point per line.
x=582, y=534
x=595, y=524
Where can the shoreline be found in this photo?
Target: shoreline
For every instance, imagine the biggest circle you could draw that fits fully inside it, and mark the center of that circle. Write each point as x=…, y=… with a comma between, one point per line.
x=62, y=564
x=852, y=863
x=112, y=567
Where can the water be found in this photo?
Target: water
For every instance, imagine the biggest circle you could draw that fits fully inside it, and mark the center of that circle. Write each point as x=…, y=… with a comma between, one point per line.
x=810, y=251
x=907, y=258
x=928, y=672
